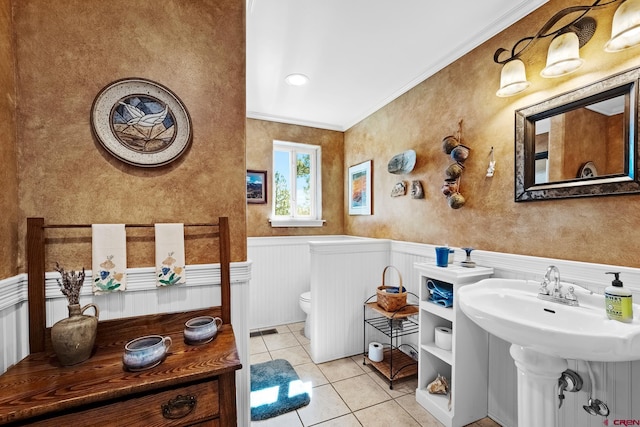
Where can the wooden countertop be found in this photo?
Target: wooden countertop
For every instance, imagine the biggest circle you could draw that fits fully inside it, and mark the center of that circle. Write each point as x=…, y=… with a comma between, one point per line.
x=39, y=385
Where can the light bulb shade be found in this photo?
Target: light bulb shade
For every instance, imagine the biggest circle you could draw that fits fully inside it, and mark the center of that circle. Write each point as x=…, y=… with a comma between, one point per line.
x=513, y=79
x=563, y=56
x=625, y=29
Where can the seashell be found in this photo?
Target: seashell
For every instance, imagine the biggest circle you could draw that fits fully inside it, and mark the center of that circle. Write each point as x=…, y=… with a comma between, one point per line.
x=460, y=153
x=456, y=201
x=454, y=171
x=399, y=189
x=417, y=192
x=449, y=143
x=402, y=163
x=438, y=386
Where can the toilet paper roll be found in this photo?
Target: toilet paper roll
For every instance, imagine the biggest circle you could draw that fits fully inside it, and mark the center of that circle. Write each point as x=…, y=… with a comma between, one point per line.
x=375, y=352
x=443, y=337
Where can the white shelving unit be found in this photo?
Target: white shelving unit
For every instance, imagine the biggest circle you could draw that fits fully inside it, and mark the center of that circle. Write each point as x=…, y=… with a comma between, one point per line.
x=466, y=365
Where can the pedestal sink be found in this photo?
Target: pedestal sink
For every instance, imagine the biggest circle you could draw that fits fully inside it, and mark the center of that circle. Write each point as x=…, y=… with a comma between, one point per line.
x=543, y=334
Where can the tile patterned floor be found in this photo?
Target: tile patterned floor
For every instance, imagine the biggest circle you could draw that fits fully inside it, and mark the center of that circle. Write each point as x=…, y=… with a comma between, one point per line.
x=345, y=392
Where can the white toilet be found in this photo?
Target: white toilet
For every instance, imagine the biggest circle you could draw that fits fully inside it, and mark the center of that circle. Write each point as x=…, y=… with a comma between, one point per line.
x=305, y=305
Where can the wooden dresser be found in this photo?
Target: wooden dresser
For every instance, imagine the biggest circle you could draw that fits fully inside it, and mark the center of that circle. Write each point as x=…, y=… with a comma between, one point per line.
x=194, y=385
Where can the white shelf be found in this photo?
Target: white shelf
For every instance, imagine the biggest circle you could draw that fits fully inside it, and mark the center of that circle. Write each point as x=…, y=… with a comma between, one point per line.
x=436, y=404
x=454, y=273
x=439, y=310
x=444, y=355
x=466, y=365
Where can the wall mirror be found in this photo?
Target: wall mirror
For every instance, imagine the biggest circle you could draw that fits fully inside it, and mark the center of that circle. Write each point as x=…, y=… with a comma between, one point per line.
x=581, y=143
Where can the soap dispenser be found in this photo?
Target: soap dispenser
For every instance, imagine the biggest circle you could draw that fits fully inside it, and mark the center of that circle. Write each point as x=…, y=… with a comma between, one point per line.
x=618, y=300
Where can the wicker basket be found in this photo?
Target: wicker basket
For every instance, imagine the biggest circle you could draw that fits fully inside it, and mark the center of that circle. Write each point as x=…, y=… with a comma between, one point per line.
x=391, y=301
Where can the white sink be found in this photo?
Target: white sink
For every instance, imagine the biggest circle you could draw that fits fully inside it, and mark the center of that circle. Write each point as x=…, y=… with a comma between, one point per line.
x=510, y=309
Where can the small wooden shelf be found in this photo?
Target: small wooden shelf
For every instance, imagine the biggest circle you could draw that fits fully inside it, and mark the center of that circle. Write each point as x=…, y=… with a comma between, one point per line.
x=403, y=313
x=396, y=364
x=403, y=365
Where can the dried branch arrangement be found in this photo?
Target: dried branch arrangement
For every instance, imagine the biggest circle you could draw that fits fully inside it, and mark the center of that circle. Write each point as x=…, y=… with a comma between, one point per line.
x=71, y=284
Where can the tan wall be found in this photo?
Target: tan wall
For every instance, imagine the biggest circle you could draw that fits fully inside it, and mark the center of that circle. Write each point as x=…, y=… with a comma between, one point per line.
x=67, y=51
x=260, y=136
x=8, y=171
x=600, y=229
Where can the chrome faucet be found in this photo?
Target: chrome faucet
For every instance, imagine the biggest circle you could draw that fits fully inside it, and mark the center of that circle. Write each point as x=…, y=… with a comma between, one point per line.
x=556, y=280
x=555, y=294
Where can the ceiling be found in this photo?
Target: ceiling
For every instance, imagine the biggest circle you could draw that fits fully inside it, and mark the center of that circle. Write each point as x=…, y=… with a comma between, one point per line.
x=358, y=54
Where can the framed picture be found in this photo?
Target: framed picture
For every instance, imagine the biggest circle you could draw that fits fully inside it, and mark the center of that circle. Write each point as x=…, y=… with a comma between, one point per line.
x=360, y=190
x=141, y=122
x=256, y=186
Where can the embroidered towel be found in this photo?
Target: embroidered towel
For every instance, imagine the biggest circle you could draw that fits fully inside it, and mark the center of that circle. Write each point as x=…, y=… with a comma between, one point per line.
x=170, y=258
x=109, y=258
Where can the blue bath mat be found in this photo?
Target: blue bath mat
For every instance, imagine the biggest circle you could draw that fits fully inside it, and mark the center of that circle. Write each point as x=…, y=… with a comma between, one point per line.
x=276, y=389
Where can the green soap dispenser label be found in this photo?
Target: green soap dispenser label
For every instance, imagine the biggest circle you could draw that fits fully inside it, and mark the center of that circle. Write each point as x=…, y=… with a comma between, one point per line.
x=619, y=307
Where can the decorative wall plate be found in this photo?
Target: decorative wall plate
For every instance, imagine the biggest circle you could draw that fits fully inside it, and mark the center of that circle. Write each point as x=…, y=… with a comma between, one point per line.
x=402, y=163
x=587, y=170
x=141, y=122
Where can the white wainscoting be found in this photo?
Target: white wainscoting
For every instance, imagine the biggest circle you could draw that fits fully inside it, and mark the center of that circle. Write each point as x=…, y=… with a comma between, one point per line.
x=343, y=276
x=618, y=384
x=281, y=272
x=141, y=297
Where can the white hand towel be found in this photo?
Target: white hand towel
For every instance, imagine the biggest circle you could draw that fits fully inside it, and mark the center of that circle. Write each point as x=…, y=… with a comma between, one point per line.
x=170, y=257
x=109, y=258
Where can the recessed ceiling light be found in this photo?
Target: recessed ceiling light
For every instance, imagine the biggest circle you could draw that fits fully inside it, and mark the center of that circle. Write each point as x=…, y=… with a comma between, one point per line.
x=297, y=79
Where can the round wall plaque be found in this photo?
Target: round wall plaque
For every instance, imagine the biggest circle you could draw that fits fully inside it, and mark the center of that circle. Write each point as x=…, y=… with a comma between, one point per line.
x=141, y=122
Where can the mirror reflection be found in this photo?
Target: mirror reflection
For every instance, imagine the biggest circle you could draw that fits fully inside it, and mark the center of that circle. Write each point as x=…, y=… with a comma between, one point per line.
x=581, y=143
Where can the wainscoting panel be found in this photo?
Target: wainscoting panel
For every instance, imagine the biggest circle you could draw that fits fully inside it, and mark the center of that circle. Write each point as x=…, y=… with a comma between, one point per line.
x=343, y=275
x=280, y=273
x=14, y=321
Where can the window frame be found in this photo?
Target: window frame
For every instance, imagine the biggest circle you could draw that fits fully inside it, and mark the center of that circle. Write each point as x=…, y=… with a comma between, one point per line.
x=315, y=219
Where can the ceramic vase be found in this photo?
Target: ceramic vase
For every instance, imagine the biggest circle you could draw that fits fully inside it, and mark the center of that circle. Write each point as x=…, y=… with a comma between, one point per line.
x=73, y=338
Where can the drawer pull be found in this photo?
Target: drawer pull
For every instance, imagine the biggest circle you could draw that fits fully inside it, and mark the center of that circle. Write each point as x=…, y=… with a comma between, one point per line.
x=179, y=407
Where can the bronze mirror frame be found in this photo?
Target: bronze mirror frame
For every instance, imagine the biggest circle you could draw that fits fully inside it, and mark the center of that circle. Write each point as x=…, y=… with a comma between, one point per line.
x=627, y=182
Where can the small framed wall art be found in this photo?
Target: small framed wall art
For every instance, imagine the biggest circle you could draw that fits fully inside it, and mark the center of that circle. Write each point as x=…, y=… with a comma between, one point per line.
x=256, y=186
x=141, y=122
x=360, y=190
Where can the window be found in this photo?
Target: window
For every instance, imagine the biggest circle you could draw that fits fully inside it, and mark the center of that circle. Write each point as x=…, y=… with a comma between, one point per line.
x=297, y=187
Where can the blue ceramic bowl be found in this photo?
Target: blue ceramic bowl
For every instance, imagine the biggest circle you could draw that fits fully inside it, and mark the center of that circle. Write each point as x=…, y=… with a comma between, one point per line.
x=201, y=330
x=145, y=352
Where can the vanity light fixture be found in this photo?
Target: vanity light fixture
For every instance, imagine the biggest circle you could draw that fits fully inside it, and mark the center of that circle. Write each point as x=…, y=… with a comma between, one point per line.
x=297, y=79
x=625, y=29
x=563, y=56
x=513, y=78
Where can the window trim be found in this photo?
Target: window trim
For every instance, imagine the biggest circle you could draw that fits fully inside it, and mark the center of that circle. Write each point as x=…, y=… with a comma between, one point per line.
x=292, y=221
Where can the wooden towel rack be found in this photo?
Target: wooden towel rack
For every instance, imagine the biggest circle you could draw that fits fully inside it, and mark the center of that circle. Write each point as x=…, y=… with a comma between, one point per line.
x=35, y=252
